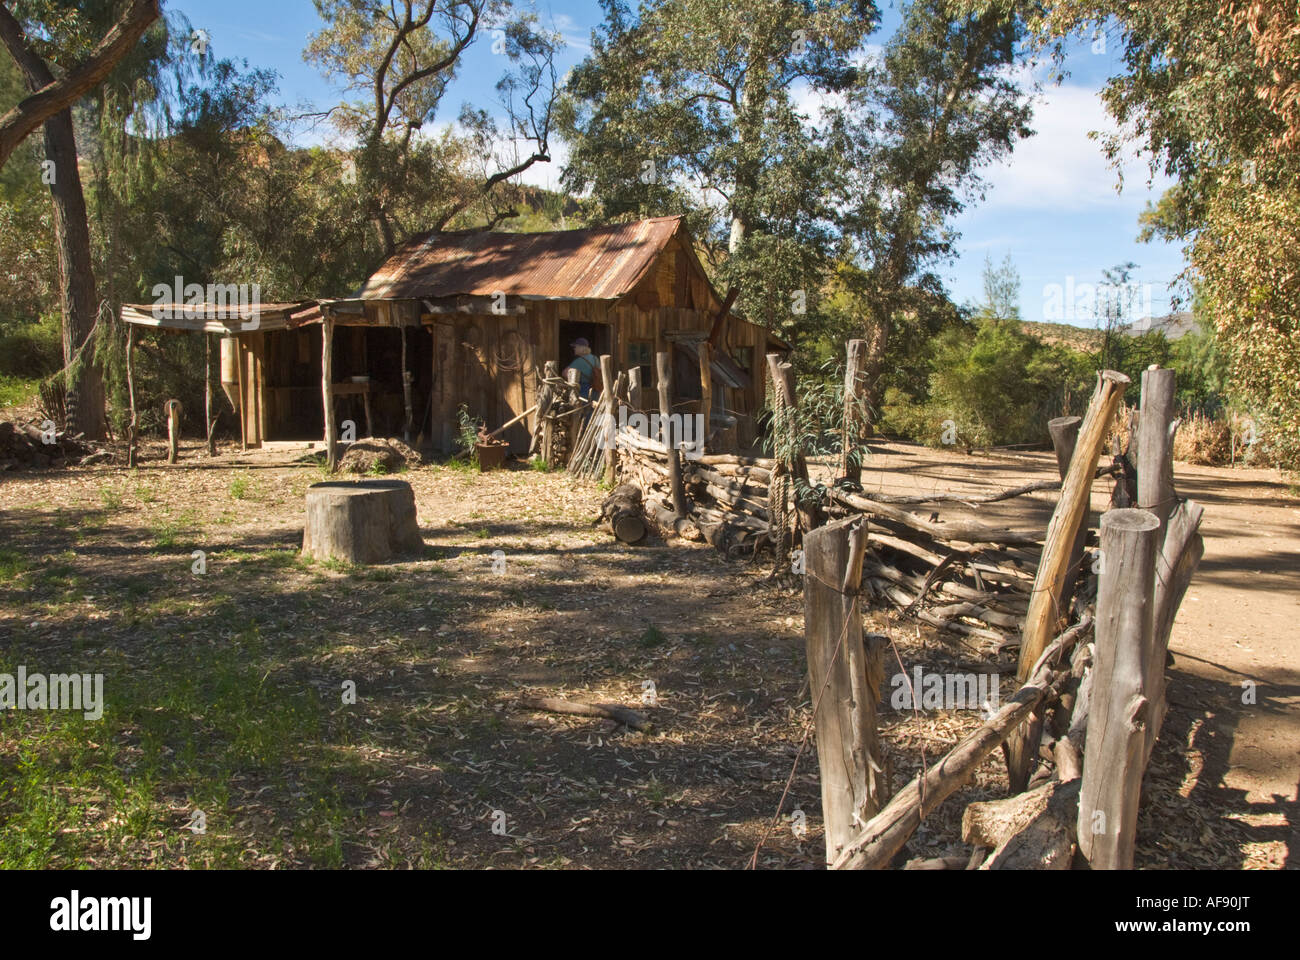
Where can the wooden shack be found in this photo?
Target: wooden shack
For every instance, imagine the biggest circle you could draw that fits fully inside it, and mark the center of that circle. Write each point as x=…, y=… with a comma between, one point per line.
x=471, y=319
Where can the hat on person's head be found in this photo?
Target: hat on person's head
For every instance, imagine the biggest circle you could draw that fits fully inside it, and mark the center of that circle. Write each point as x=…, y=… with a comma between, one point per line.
x=580, y=342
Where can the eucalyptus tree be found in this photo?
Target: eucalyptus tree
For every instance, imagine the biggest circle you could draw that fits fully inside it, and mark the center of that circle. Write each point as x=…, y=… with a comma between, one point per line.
x=940, y=102
x=83, y=41
x=396, y=61
x=709, y=109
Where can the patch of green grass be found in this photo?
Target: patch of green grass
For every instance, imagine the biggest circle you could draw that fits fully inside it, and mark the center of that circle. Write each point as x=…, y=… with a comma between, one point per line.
x=239, y=486
x=110, y=497
x=335, y=565
x=653, y=637
x=167, y=532
x=482, y=533
x=12, y=563
x=17, y=390
x=540, y=465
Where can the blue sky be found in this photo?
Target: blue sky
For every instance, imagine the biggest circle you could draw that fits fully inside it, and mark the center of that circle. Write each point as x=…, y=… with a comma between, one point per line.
x=1052, y=206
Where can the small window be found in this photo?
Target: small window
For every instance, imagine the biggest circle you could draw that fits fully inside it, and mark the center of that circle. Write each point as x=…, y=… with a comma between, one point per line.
x=744, y=357
x=640, y=353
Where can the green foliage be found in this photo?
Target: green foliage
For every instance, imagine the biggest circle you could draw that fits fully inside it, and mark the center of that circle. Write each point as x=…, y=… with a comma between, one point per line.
x=688, y=107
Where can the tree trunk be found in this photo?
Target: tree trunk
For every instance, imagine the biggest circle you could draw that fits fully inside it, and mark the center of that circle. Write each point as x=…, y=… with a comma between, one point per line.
x=85, y=382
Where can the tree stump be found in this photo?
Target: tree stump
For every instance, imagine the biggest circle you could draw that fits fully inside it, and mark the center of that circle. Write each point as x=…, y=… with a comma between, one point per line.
x=361, y=522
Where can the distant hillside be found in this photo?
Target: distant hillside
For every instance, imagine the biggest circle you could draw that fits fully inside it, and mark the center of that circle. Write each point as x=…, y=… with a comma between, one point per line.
x=1085, y=339
x=1088, y=339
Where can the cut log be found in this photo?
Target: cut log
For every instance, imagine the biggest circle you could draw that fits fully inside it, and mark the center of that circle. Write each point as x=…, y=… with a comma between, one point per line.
x=621, y=512
x=609, y=711
x=958, y=529
x=1030, y=831
x=666, y=521
x=368, y=521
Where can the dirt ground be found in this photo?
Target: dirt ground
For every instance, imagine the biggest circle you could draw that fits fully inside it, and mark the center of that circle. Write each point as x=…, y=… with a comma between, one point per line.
x=223, y=689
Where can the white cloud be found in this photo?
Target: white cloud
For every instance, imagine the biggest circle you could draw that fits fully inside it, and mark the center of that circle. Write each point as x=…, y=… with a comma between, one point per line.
x=1061, y=168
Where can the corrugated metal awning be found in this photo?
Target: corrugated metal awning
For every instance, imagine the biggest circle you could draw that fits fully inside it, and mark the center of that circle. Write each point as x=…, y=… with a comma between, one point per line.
x=225, y=319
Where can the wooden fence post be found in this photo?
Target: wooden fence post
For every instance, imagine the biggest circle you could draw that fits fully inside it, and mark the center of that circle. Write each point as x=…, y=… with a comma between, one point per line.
x=610, y=391
x=635, y=398
x=850, y=462
x=1114, y=753
x=574, y=379
x=810, y=513
x=1155, y=446
x=1046, y=608
x=844, y=679
x=664, y=368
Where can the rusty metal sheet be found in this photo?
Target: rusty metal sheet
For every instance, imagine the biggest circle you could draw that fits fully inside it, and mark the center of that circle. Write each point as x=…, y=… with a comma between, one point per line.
x=601, y=263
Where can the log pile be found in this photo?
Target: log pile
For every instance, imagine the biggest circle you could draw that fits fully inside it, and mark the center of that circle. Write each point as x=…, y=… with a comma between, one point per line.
x=24, y=446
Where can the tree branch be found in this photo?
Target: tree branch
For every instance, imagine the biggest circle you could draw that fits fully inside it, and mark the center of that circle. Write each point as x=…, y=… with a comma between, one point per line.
x=55, y=96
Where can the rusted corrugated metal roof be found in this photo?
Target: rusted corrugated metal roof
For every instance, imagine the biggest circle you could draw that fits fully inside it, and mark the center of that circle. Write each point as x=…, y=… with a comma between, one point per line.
x=601, y=263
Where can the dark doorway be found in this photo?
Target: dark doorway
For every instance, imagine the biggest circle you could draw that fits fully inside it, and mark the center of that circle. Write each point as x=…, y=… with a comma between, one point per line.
x=597, y=334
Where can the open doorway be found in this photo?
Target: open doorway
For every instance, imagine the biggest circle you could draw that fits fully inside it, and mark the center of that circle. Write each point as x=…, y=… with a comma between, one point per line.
x=596, y=334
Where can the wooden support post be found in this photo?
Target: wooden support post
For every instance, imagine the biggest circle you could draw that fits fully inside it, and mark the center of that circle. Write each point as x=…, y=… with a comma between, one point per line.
x=1114, y=753
x=850, y=459
x=209, y=424
x=1065, y=436
x=1046, y=607
x=844, y=681
x=574, y=426
x=610, y=391
x=1155, y=446
x=132, y=443
x=406, y=391
x=173, y=411
x=243, y=397
x=327, y=391
x=635, y=390
x=550, y=397
x=664, y=368
x=706, y=394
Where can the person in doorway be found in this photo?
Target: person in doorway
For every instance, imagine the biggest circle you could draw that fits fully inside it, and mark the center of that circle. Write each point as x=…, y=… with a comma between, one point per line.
x=588, y=368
